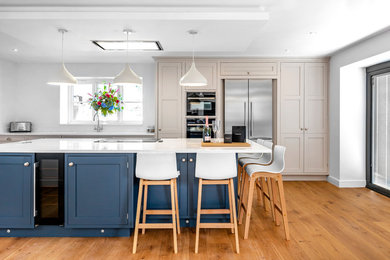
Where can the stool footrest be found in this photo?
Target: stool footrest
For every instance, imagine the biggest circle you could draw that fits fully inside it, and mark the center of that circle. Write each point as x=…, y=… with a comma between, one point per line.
x=157, y=182
x=156, y=225
x=216, y=225
x=214, y=211
x=158, y=212
x=214, y=182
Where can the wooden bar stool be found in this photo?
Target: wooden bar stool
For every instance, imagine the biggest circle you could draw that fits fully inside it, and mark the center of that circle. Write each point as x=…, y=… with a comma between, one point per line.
x=157, y=169
x=275, y=188
x=215, y=169
x=261, y=183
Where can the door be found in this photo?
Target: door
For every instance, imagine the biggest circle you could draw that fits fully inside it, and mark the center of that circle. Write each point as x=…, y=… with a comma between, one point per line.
x=236, y=104
x=96, y=191
x=16, y=191
x=316, y=118
x=170, y=109
x=292, y=115
x=260, y=109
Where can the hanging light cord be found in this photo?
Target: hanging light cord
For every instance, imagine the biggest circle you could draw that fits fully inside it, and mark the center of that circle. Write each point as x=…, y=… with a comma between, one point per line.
x=62, y=47
x=127, y=46
x=193, y=48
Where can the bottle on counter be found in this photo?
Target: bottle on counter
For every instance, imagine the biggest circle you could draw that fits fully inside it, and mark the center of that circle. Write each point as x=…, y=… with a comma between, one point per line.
x=207, y=132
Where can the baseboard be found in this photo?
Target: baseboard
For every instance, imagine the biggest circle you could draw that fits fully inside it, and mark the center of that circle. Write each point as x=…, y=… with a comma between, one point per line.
x=304, y=177
x=347, y=183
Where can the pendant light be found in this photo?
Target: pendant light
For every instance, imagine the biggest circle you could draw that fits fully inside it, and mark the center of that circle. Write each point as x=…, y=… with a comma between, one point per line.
x=193, y=78
x=127, y=76
x=62, y=76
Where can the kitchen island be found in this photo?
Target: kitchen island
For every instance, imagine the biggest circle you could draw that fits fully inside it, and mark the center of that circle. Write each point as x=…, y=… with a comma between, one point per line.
x=99, y=185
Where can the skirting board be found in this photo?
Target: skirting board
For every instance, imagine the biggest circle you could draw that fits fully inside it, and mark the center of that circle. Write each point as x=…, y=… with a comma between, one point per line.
x=305, y=177
x=347, y=183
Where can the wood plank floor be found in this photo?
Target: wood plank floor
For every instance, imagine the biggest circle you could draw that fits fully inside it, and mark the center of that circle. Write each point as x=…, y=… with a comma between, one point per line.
x=325, y=223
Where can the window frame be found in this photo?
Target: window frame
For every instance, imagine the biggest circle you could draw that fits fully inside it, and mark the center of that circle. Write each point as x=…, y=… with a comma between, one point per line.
x=95, y=81
x=372, y=71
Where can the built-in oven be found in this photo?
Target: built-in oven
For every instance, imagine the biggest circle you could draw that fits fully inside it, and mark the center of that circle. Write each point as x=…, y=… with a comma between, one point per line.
x=195, y=127
x=49, y=181
x=200, y=103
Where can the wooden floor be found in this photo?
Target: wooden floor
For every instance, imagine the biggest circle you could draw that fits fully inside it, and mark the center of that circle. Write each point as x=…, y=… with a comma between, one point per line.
x=325, y=223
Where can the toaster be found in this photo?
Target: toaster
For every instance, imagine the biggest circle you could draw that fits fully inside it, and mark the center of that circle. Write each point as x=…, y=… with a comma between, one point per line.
x=20, y=127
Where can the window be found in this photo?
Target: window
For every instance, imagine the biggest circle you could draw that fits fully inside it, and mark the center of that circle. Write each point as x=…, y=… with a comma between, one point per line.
x=378, y=128
x=75, y=109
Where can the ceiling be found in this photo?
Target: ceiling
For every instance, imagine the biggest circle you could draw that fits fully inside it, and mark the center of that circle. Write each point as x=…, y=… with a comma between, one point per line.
x=262, y=28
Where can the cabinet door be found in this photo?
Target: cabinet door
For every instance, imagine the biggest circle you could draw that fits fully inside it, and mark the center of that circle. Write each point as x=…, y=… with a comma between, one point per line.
x=96, y=191
x=209, y=71
x=170, y=109
x=249, y=68
x=316, y=153
x=159, y=196
x=16, y=191
x=292, y=98
x=294, y=156
x=316, y=95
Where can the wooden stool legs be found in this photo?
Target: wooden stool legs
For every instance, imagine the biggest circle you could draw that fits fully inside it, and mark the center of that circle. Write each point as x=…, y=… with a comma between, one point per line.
x=174, y=211
x=232, y=211
x=274, y=184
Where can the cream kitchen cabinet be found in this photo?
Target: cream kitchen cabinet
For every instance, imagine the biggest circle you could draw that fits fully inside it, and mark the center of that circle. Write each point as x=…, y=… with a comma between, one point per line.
x=249, y=68
x=304, y=117
x=170, y=100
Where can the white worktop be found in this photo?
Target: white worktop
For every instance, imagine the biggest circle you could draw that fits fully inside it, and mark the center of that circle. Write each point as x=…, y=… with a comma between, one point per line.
x=89, y=145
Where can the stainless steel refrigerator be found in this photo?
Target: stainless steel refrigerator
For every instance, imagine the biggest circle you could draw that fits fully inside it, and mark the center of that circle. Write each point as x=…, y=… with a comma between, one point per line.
x=249, y=103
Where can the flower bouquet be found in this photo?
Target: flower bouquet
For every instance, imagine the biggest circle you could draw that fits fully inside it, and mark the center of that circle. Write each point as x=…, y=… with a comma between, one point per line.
x=107, y=101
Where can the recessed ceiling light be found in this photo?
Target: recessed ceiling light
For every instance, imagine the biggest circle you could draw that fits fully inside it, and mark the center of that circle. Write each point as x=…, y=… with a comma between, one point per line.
x=132, y=45
x=286, y=50
x=312, y=33
x=15, y=50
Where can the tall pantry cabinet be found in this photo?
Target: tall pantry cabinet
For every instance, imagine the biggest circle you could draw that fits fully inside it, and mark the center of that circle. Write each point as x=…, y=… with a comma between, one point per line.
x=304, y=117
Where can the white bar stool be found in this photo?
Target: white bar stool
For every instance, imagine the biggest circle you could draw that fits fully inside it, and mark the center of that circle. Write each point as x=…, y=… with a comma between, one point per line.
x=214, y=169
x=157, y=169
x=273, y=173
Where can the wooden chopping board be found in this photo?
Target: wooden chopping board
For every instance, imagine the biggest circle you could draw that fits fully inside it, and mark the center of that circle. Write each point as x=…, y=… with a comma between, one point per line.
x=225, y=144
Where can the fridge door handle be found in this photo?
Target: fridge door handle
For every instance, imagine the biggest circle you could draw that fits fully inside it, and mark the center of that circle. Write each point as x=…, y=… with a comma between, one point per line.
x=251, y=120
x=244, y=113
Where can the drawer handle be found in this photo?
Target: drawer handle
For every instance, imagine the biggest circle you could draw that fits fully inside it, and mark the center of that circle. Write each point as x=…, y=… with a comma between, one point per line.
x=191, y=160
x=183, y=160
x=71, y=164
x=26, y=164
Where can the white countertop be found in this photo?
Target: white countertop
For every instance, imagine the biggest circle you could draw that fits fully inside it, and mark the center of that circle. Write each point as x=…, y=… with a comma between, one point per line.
x=85, y=145
x=81, y=133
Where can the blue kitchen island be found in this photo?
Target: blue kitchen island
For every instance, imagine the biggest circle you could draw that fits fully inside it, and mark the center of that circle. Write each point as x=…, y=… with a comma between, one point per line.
x=99, y=185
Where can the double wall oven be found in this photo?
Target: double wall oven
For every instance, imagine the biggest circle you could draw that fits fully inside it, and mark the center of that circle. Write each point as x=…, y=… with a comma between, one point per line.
x=199, y=105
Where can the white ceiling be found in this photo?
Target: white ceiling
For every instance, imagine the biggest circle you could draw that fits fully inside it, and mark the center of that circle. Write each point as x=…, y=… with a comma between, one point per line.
x=236, y=28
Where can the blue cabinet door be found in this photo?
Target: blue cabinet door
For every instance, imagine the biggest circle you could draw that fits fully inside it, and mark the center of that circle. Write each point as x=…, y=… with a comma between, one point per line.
x=16, y=191
x=159, y=197
x=97, y=191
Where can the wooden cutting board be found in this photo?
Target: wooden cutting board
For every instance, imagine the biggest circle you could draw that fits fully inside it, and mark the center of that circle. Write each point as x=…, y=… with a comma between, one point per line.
x=225, y=144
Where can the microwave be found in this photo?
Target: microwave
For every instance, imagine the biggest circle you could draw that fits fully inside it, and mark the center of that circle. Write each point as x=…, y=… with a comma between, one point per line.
x=200, y=103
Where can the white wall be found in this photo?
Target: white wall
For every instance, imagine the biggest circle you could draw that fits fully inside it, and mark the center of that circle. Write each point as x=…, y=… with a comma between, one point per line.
x=39, y=103
x=347, y=108
x=8, y=82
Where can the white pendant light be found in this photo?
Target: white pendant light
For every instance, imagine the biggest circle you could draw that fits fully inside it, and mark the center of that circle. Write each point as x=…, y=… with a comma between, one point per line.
x=127, y=76
x=62, y=76
x=193, y=78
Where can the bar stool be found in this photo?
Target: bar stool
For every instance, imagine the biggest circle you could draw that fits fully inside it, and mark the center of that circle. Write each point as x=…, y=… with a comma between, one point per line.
x=157, y=169
x=246, y=156
x=261, y=183
x=214, y=169
x=275, y=182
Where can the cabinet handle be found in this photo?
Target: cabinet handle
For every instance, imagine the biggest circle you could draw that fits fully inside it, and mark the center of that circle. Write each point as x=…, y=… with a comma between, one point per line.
x=183, y=160
x=71, y=164
x=248, y=72
x=26, y=164
x=306, y=129
x=302, y=129
x=159, y=129
x=191, y=160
